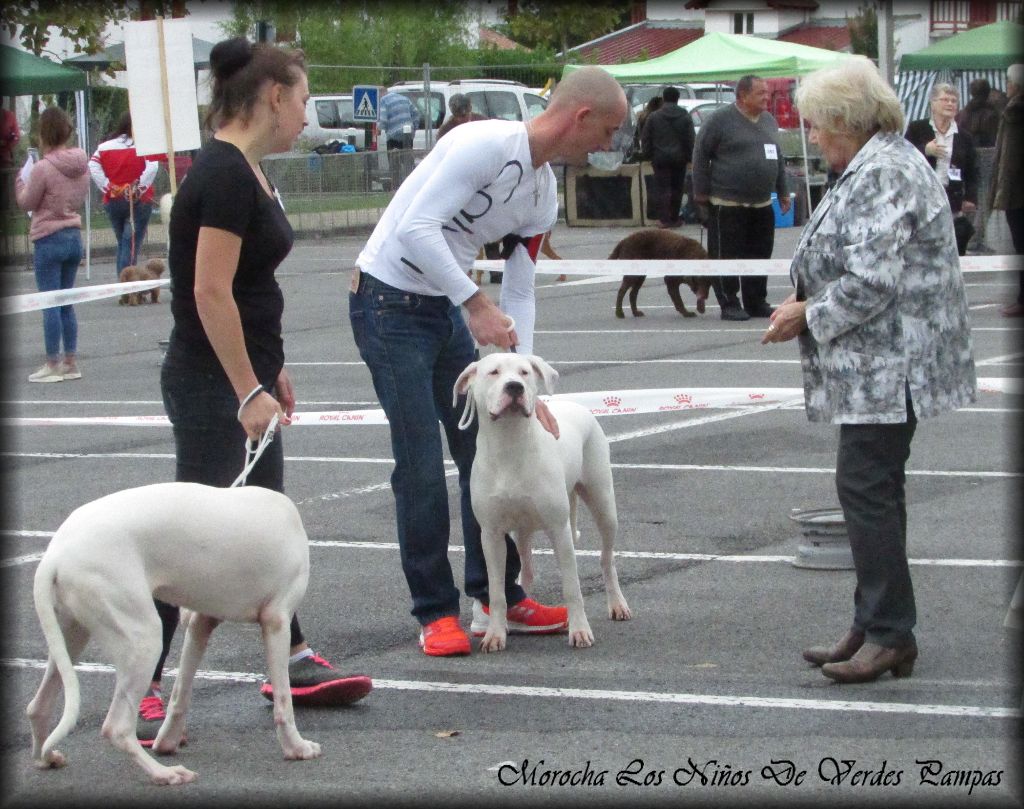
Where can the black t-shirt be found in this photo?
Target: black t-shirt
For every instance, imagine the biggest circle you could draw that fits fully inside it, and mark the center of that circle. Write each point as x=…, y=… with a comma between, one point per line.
x=221, y=191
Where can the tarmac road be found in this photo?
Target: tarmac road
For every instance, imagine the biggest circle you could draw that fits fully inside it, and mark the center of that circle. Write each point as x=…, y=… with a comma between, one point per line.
x=702, y=699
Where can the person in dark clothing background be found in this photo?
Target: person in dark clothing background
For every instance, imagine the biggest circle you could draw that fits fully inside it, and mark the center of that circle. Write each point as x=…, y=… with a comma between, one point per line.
x=980, y=117
x=667, y=140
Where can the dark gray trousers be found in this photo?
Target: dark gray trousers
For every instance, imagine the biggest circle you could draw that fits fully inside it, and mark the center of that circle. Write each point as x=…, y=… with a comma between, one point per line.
x=870, y=477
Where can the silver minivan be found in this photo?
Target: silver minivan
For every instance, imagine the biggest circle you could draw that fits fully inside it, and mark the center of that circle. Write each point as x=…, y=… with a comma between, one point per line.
x=330, y=117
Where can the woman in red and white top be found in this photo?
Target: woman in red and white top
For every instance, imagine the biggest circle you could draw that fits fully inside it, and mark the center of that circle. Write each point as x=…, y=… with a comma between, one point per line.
x=126, y=180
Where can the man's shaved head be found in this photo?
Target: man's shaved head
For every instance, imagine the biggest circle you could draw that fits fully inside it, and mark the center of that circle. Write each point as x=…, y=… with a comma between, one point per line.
x=591, y=86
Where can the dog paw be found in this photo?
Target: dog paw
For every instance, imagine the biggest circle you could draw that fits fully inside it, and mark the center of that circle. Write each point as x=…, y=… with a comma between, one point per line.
x=304, y=751
x=620, y=612
x=53, y=760
x=619, y=314
x=173, y=776
x=687, y=313
x=492, y=643
x=638, y=313
x=581, y=638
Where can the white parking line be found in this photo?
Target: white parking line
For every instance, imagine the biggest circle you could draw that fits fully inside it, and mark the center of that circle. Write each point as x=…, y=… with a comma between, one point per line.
x=622, y=554
x=657, y=697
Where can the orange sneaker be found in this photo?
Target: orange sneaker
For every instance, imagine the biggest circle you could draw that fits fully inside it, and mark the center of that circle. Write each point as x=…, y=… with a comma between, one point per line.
x=444, y=638
x=525, y=618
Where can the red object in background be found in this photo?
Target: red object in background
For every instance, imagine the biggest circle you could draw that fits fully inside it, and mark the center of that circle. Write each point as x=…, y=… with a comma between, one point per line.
x=182, y=163
x=780, y=103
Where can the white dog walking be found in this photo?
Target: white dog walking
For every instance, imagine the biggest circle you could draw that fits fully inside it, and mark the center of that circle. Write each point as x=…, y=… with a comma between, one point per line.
x=237, y=554
x=524, y=480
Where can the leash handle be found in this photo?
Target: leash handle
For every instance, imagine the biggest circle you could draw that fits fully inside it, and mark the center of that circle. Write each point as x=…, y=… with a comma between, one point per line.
x=253, y=451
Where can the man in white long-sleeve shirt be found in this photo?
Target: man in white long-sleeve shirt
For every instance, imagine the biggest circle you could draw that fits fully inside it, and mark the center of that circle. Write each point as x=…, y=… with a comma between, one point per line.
x=483, y=182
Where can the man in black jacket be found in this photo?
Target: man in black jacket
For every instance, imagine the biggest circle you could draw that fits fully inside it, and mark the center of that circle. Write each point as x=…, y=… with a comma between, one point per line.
x=667, y=141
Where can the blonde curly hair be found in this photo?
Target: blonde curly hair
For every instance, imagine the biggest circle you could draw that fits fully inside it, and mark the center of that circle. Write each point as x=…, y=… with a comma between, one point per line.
x=850, y=98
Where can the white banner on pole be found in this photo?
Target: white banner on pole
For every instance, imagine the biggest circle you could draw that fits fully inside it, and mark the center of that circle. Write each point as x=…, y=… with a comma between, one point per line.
x=145, y=86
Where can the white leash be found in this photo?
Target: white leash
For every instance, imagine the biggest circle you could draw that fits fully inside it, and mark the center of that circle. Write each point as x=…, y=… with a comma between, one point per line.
x=253, y=451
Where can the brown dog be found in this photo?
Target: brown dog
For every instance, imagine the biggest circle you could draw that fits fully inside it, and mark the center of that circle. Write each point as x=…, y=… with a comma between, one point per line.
x=152, y=270
x=661, y=245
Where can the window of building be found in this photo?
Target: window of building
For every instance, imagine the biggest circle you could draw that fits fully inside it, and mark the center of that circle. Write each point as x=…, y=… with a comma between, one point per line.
x=743, y=23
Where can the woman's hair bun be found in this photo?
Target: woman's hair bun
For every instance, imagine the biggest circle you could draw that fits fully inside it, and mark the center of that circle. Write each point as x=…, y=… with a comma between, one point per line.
x=229, y=56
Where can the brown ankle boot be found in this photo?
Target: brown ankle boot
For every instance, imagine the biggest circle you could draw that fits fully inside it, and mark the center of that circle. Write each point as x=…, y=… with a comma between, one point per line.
x=871, y=661
x=841, y=650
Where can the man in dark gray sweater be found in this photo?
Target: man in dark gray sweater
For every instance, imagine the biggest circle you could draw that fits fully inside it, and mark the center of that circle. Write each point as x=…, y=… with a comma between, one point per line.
x=667, y=141
x=737, y=164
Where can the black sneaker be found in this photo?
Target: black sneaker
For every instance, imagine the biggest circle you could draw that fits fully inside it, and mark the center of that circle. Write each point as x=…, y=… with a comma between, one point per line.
x=314, y=681
x=762, y=309
x=730, y=312
x=151, y=717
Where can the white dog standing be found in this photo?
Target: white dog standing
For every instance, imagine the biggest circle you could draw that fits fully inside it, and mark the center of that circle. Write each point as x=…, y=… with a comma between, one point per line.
x=525, y=480
x=236, y=554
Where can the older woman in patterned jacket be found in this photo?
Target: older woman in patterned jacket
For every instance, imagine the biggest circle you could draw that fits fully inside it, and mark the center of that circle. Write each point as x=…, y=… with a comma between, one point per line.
x=881, y=317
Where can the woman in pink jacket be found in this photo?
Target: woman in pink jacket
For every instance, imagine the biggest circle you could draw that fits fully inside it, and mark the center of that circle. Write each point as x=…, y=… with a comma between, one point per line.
x=126, y=180
x=54, y=191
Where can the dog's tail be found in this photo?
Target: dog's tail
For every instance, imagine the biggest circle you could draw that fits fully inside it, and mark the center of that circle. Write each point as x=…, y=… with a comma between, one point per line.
x=43, y=592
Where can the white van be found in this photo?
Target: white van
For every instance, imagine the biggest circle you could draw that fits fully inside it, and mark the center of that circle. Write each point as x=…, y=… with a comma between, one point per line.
x=330, y=117
x=492, y=98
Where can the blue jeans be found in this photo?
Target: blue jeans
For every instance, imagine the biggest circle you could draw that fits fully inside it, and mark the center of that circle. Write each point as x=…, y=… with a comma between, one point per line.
x=415, y=347
x=120, y=220
x=56, y=258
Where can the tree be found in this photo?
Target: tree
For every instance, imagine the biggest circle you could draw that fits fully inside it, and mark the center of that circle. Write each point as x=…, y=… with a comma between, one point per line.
x=37, y=20
x=83, y=23
x=565, y=25
x=863, y=30
x=383, y=34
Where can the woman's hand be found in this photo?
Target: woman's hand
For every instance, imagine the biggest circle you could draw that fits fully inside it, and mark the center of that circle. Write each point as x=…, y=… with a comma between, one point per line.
x=787, y=321
x=257, y=414
x=285, y=395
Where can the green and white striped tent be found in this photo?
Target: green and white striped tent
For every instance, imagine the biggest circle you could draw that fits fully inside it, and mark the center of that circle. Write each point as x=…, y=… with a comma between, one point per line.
x=983, y=52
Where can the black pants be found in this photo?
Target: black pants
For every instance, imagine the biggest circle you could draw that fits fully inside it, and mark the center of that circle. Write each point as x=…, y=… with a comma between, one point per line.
x=668, y=192
x=209, y=448
x=870, y=478
x=735, y=231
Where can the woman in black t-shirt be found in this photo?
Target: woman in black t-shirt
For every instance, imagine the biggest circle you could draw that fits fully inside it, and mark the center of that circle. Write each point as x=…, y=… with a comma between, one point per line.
x=223, y=379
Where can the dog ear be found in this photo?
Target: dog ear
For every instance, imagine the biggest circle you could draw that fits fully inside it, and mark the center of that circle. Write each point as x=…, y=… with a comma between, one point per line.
x=547, y=374
x=464, y=382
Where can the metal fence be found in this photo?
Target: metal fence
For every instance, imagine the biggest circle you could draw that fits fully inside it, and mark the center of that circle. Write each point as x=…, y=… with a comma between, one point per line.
x=322, y=194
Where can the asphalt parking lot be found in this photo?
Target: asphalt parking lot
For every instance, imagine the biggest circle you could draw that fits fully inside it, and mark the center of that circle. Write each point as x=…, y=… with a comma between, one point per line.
x=702, y=698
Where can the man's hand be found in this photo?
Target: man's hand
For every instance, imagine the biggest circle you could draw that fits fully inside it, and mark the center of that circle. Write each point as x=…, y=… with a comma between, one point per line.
x=785, y=203
x=488, y=324
x=968, y=206
x=546, y=418
x=787, y=321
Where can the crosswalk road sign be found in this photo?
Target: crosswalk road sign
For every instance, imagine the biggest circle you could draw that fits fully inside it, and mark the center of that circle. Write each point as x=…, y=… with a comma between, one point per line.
x=365, y=102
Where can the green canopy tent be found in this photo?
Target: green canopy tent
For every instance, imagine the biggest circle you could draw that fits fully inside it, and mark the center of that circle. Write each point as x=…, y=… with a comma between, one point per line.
x=727, y=57
x=25, y=74
x=983, y=52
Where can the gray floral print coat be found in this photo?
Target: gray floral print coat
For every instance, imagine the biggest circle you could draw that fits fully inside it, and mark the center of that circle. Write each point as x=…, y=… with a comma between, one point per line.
x=886, y=307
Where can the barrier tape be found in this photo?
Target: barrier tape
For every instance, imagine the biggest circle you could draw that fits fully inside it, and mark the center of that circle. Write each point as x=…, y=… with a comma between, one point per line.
x=600, y=403
x=616, y=268
x=33, y=301
x=765, y=266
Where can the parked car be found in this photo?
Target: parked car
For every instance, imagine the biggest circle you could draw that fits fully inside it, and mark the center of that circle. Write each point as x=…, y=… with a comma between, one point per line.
x=639, y=94
x=700, y=109
x=330, y=117
x=493, y=98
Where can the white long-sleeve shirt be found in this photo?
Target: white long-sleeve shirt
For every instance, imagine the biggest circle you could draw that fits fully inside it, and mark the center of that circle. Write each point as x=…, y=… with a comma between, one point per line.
x=475, y=186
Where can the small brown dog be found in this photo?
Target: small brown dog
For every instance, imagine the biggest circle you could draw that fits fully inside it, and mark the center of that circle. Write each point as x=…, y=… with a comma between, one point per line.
x=152, y=270
x=662, y=245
